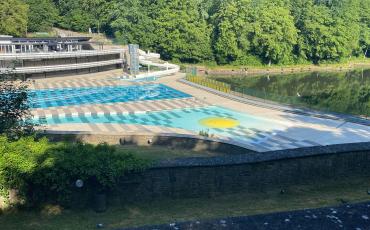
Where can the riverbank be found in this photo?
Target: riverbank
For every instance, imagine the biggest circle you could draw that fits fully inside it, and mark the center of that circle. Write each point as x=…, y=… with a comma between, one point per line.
x=206, y=69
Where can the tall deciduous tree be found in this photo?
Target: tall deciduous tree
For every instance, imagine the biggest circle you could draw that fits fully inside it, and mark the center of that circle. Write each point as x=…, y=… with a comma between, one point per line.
x=328, y=29
x=232, y=29
x=182, y=33
x=132, y=22
x=73, y=16
x=13, y=17
x=275, y=34
x=98, y=9
x=229, y=31
x=365, y=26
x=42, y=15
x=348, y=21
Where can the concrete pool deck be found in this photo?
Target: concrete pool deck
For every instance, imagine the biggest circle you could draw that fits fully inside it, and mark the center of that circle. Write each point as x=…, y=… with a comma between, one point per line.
x=297, y=130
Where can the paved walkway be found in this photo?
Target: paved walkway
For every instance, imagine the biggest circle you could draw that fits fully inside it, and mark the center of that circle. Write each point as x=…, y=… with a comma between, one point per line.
x=299, y=127
x=291, y=131
x=87, y=80
x=346, y=217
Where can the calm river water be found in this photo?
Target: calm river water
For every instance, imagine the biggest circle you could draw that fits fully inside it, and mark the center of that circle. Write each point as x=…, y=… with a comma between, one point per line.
x=343, y=92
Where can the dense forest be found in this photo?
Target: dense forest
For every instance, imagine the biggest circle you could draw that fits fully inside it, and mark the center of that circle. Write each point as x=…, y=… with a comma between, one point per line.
x=241, y=32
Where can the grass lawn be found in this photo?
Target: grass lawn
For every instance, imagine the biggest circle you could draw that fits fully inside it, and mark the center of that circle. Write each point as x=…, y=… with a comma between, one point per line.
x=326, y=193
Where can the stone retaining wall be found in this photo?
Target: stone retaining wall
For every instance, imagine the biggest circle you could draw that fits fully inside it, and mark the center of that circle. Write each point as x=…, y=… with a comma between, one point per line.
x=194, y=143
x=238, y=170
x=204, y=177
x=233, y=173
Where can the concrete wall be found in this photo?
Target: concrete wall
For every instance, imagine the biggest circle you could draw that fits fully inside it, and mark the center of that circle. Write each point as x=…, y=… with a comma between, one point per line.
x=237, y=171
x=64, y=61
x=248, y=172
x=232, y=173
x=194, y=143
x=72, y=72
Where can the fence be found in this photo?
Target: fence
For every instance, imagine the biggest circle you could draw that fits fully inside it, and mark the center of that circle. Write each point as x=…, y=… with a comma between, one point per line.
x=44, y=69
x=56, y=55
x=210, y=83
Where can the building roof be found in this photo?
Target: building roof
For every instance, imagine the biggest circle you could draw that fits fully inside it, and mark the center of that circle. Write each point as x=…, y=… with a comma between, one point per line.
x=44, y=39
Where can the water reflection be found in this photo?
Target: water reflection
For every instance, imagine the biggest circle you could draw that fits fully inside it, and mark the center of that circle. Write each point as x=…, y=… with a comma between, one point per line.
x=344, y=92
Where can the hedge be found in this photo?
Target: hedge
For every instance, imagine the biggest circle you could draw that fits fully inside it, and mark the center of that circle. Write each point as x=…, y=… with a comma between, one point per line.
x=42, y=171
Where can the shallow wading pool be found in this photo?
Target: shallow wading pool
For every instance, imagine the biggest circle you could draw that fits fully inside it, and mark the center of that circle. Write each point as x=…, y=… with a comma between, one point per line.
x=211, y=119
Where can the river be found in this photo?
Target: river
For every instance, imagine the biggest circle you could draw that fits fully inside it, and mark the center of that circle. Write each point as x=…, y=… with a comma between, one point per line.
x=341, y=92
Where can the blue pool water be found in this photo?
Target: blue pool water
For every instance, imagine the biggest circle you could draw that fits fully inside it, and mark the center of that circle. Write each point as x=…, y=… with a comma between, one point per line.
x=188, y=119
x=145, y=79
x=101, y=95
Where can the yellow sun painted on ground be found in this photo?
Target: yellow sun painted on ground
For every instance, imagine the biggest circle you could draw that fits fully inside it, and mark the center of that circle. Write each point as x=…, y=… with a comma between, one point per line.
x=219, y=122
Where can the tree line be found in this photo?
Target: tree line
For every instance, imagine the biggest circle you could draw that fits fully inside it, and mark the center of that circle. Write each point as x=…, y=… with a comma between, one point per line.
x=222, y=31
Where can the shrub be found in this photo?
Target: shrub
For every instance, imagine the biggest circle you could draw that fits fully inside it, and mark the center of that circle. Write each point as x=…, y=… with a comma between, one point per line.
x=248, y=60
x=15, y=117
x=42, y=171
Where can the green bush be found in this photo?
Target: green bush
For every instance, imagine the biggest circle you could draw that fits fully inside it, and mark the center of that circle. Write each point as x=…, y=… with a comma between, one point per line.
x=248, y=60
x=42, y=171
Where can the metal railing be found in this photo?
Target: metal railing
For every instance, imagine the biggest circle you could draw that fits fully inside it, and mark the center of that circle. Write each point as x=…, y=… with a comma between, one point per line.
x=210, y=83
x=53, y=55
x=145, y=60
x=42, y=69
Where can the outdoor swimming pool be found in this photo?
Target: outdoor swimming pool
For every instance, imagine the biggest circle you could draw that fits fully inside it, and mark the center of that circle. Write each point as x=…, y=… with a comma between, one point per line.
x=145, y=79
x=211, y=119
x=101, y=95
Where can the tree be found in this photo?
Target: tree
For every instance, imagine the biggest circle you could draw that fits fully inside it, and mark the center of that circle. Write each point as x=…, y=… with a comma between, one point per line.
x=73, y=16
x=328, y=29
x=365, y=26
x=14, y=108
x=97, y=8
x=275, y=34
x=181, y=31
x=231, y=30
x=13, y=17
x=42, y=15
x=348, y=21
x=132, y=22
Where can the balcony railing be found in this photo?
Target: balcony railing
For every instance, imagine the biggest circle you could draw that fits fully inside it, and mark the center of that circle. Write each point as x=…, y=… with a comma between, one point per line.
x=53, y=55
x=53, y=68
